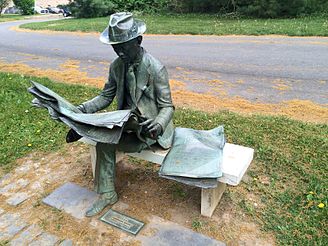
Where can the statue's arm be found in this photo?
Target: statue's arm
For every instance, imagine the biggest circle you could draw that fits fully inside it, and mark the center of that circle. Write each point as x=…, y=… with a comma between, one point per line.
x=103, y=100
x=163, y=99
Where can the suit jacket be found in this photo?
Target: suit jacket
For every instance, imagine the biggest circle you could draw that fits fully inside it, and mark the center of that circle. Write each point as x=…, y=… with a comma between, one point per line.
x=153, y=95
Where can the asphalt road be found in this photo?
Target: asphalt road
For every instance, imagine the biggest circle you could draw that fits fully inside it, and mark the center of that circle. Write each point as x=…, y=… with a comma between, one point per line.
x=260, y=69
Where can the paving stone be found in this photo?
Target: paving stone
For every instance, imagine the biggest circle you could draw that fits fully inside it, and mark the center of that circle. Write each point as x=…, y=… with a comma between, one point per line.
x=45, y=239
x=24, y=168
x=66, y=242
x=17, y=198
x=170, y=234
x=37, y=186
x=10, y=225
x=27, y=236
x=72, y=198
x=5, y=178
x=7, y=188
x=22, y=183
x=19, y=184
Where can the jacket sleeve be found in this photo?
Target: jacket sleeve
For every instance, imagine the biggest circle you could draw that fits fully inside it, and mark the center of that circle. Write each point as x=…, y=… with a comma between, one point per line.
x=104, y=99
x=163, y=99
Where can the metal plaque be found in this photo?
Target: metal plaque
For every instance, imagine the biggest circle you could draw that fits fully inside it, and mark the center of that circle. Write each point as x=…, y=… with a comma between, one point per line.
x=122, y=222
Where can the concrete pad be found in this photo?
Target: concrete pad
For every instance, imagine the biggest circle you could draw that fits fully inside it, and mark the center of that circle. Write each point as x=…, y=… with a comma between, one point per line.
x=10, y=225
x=166, y=233
x=17, y=198
x=27, y=236
x=72, y=198
x=45, y=239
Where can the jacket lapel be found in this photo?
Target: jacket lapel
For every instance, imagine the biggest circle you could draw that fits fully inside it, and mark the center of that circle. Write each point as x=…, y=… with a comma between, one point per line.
x=142, y=77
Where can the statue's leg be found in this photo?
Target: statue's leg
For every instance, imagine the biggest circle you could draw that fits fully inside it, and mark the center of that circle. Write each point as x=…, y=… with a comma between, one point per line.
x=104, y=178
x=105, y=170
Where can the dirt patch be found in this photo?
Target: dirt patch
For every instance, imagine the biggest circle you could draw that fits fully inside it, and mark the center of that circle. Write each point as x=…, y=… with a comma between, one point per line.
x=142, y=194
x=297, y=109
x=48, y=32
x=69, y=72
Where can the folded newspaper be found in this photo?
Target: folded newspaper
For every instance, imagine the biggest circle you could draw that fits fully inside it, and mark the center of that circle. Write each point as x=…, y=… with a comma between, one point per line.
x=100, y=127
x=195, y=157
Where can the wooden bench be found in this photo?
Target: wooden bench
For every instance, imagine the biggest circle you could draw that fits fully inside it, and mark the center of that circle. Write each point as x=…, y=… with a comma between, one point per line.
x=236, y=160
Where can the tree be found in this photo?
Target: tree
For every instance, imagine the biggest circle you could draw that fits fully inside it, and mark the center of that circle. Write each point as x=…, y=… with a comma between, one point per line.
x=26, y=6
x=3, y=5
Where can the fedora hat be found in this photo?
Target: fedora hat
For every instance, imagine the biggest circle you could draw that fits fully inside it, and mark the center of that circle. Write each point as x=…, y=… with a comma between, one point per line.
x=121, y=28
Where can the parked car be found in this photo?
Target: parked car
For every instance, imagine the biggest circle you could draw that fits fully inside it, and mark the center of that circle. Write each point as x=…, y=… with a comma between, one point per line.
x=55, y=10
x=41, y=10
x=66, y=12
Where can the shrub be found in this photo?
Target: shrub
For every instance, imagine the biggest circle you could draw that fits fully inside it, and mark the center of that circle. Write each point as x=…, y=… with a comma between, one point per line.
x=280, y=8
x=26, y=6
x=202, y=6
x=316, y=6
x=98, y=8
x=92, y=8
x=145, y=6
x=256, y=8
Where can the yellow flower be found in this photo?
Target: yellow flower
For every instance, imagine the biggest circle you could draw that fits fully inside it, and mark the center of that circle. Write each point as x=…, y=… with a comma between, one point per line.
x=29, y=145
x=311, y=192
x=254, y=179
x=321, y=205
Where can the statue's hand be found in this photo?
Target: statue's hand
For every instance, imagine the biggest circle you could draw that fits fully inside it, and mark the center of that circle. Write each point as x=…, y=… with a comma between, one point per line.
x=81, y=108
x=151, y=128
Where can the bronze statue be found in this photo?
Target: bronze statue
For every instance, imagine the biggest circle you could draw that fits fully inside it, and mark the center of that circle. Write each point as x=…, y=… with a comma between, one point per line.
x=140, y=83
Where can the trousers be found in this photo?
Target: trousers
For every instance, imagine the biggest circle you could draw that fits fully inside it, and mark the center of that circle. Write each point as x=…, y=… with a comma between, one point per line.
x=106, y=160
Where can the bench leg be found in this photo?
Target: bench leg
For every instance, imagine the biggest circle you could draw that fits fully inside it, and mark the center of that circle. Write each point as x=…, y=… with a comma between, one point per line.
x=210, y=199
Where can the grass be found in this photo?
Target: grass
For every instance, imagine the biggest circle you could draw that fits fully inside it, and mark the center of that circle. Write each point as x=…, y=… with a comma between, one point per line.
x=9, y=17
x=24, y=129
x=201, y=24
x=290, y=156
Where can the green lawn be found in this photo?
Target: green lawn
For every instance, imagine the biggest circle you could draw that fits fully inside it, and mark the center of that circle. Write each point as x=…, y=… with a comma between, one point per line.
x=8, y=17
x=290, y=156
x=201, y=24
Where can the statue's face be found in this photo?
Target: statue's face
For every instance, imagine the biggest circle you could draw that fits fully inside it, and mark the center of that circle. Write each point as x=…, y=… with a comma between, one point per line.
x=127, y=51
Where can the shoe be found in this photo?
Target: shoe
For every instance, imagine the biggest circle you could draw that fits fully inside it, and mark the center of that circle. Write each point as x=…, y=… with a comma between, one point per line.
x=72, y=136
x=101, y=203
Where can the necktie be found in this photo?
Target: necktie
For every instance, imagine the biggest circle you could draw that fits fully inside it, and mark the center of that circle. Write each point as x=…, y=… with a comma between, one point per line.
x=131, y=83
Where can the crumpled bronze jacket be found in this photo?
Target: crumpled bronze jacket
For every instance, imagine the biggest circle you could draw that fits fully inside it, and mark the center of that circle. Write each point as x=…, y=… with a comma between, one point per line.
x=153, y=95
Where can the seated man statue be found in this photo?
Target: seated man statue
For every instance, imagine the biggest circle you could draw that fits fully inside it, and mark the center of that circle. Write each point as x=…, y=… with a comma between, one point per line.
x=140, y=83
